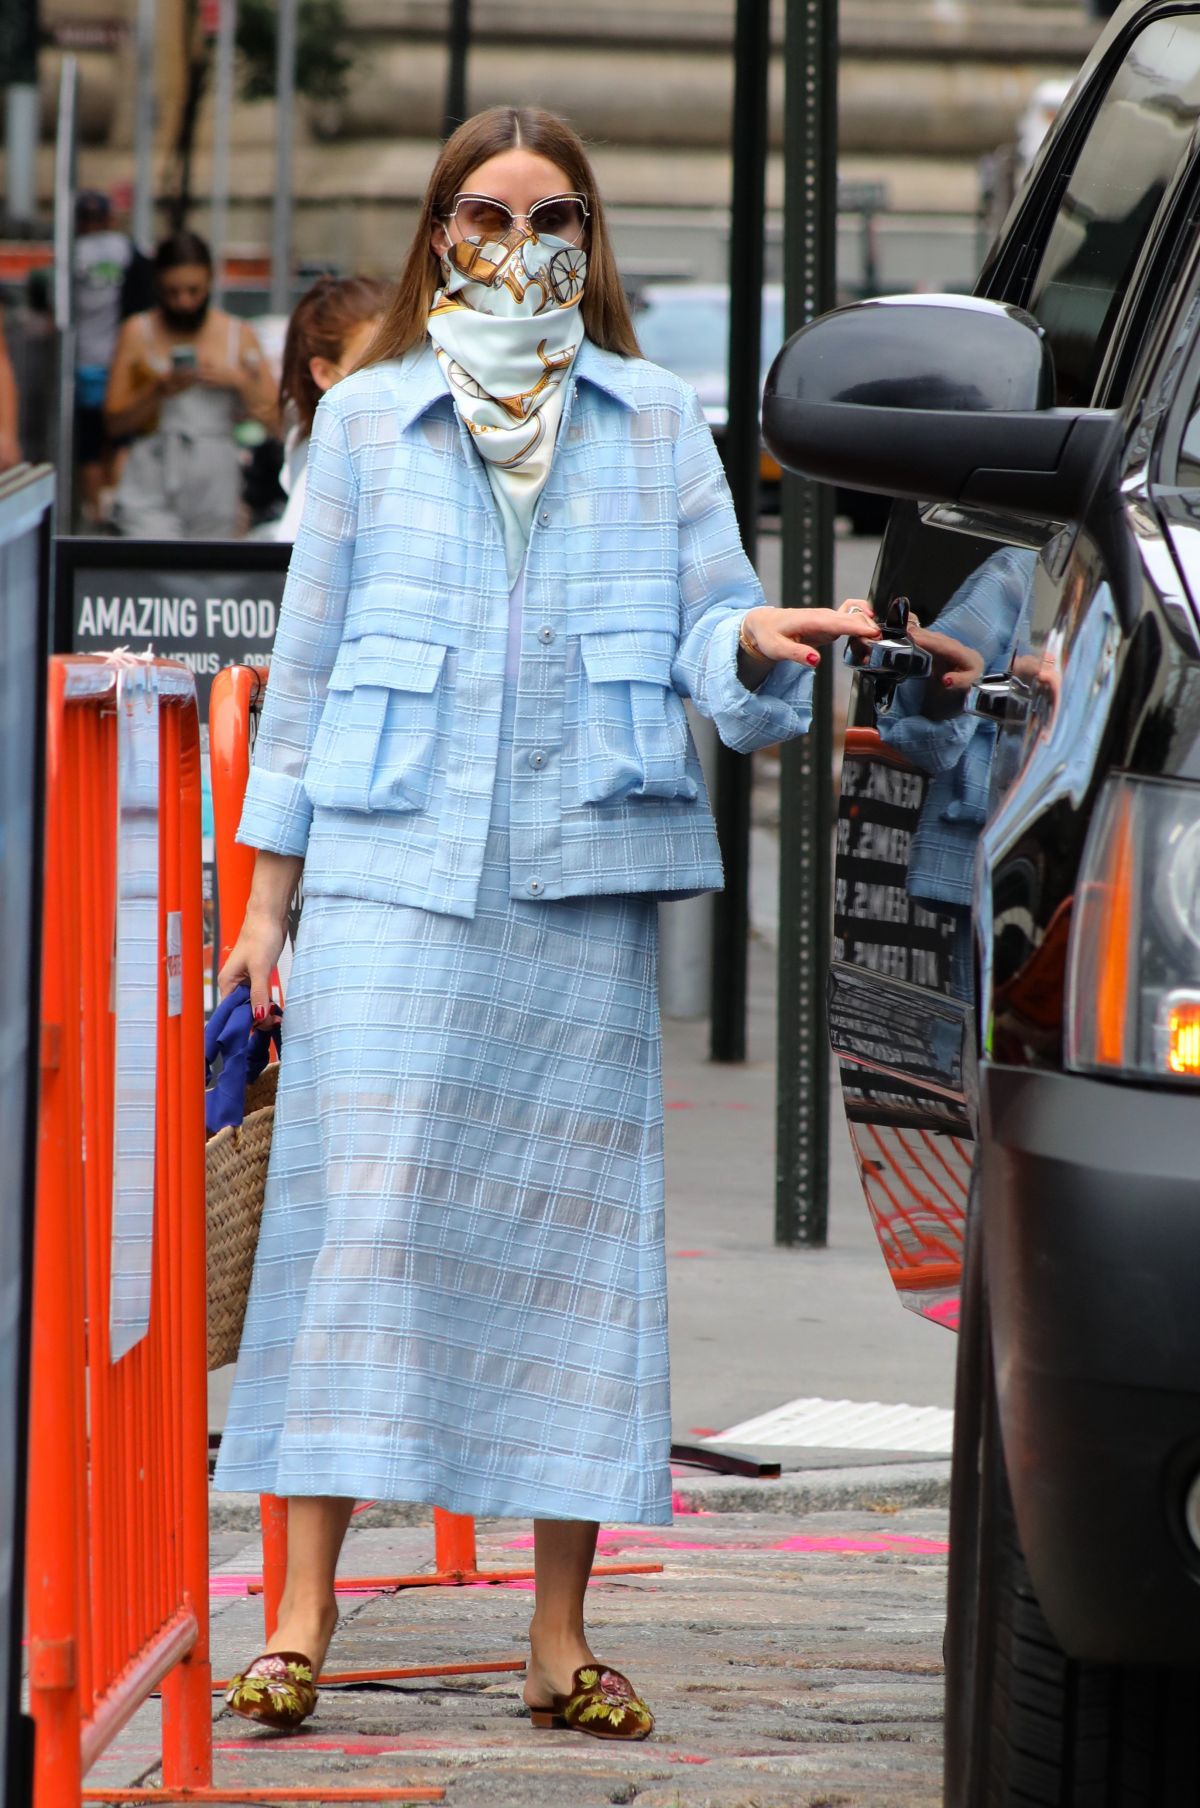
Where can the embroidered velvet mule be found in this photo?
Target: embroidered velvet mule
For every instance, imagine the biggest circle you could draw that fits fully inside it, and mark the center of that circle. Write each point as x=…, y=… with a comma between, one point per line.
x=276, y=1690
x=601, y=1702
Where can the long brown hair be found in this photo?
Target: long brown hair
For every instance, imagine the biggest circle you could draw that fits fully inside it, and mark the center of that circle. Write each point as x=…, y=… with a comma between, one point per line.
x=321, y=322
x=605, y=311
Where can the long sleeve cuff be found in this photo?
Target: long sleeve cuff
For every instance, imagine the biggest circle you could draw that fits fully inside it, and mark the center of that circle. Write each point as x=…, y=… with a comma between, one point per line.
x=276, y=814
x=778, y=710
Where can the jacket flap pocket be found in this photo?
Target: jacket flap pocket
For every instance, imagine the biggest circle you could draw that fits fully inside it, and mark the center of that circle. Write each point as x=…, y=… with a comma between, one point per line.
x=635, y=655
x=388, y=661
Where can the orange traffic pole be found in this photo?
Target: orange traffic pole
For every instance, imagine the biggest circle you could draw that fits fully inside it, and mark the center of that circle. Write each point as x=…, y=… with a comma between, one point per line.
x=236, y=693
x=187, y=1689
x=273, y=1513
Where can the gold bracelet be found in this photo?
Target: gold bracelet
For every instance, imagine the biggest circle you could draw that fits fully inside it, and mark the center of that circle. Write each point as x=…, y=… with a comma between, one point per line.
x=747, y=642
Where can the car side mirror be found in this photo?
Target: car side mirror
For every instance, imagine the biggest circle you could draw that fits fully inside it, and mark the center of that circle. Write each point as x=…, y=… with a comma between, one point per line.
x=942, y=398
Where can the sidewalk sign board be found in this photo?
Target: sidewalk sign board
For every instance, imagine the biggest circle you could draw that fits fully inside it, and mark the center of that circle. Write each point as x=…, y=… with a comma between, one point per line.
x=206, y=603
x=26, y=499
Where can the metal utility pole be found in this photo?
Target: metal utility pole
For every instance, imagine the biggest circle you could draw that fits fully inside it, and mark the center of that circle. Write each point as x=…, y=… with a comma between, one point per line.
x=64, y=289
x=731, y=917
x=281, y=219
x=222, y=125
x=18, y=71
x=143, y=126
x=458, y=44
x=806, y=796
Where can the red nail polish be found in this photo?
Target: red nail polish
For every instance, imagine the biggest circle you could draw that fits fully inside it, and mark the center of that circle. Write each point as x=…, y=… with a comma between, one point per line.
x=813, y=658
x=259, y=1013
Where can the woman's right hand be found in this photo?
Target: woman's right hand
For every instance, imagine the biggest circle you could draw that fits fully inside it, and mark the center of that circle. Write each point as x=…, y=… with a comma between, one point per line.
x=254, y=957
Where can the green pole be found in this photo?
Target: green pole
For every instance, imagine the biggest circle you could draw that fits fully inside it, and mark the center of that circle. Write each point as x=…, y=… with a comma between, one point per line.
x=731, y=793
x=806, y=802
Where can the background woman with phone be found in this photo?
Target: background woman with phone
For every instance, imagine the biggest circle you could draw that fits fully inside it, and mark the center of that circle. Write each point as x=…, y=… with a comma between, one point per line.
x=183, y=375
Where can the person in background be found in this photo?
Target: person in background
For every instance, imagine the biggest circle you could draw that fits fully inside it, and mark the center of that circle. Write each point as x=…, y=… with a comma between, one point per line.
x=184, y=374
x=10, y=444
x=112, y=280
x=330, y=329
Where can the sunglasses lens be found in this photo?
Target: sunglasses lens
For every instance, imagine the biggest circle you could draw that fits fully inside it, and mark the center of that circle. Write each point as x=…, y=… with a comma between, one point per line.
x=479, y=218
x=561, y=217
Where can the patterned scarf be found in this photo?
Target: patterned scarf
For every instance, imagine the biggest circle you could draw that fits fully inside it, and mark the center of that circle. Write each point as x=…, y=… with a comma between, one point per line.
x=506, y=326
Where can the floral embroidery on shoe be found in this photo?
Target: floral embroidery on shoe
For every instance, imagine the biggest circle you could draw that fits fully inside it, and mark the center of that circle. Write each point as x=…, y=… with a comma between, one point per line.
x=606, y=1704
x=276, y=1689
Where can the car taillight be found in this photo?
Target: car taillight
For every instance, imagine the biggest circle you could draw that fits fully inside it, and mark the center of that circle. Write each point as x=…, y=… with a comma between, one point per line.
x=1133, y=985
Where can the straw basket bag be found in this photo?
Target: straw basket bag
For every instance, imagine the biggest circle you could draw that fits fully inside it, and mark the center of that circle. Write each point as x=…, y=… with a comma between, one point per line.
x=235, y=1163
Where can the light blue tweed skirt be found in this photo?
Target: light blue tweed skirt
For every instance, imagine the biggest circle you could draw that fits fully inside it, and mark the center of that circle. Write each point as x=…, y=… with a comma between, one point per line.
x=460, y=1290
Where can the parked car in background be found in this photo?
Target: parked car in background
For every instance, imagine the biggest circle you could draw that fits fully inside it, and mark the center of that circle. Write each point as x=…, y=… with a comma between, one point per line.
x=1015, y=991
x=685, y=328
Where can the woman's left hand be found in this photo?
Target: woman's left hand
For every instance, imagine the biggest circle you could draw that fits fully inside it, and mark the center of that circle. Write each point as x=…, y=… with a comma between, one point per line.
x=797, y=633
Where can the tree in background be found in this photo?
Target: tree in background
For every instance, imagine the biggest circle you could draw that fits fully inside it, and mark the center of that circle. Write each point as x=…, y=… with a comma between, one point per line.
x=323, y=65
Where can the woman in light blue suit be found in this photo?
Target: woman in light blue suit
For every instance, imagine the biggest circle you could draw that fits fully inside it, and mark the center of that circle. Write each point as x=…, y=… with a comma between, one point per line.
x=517, y=557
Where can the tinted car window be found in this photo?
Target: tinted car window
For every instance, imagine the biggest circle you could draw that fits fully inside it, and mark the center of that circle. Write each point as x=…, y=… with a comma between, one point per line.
x=1136, y=143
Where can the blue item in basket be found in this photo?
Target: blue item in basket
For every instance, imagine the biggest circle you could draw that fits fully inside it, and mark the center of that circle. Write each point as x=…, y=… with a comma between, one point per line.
x=244, y=1052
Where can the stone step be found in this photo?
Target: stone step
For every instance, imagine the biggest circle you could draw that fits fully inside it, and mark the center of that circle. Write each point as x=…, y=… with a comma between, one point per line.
x=682, y=99
x=967, y=28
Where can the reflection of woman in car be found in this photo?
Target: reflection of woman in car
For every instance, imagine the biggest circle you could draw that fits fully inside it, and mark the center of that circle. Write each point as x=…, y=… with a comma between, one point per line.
x=518, y=555
x=331, y=327
x=979, y=630
x=184, y=373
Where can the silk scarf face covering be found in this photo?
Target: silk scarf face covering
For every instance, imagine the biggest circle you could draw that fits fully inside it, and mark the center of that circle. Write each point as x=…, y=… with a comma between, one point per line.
x=506, y=325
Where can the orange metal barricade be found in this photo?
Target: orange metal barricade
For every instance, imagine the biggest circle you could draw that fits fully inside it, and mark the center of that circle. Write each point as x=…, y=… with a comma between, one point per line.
x=117, y=1554
x=118, y=1519
x=236, y=695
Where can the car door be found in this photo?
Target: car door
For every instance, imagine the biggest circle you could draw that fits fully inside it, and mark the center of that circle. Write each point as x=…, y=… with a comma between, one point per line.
x=923, y=772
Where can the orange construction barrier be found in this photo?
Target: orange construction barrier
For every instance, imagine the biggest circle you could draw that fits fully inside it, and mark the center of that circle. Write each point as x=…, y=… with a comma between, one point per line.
x=118, y=1507
x=234, y=700
x=117, y=1555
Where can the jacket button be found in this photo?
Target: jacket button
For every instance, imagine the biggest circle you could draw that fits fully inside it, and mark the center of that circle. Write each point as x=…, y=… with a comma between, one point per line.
x=537, y=759
x=546, y=635
x=535, y=887
x=545, y=516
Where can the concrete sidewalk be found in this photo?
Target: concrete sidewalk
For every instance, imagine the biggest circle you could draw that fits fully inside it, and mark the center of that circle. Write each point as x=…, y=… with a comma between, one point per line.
x=790, y=1664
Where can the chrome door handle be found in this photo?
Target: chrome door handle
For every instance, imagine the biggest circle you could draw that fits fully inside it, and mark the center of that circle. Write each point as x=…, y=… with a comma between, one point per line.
x=1001, y=697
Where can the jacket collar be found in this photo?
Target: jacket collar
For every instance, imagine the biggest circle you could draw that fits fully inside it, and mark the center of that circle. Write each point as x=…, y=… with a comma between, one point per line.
x=422, y=384
x=615, y=375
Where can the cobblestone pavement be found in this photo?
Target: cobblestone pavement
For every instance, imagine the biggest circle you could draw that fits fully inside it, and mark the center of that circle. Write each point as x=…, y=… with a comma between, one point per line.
x=793, y=1662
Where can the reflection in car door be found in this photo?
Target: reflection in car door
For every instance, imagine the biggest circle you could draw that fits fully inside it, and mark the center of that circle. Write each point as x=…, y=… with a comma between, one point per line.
x=923, y=771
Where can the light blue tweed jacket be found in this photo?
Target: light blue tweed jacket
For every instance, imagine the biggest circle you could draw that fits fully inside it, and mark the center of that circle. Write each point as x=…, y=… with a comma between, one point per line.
x=376, y=754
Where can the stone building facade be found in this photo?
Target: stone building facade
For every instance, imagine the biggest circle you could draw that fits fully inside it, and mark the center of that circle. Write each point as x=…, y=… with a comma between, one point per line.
x=927, y=88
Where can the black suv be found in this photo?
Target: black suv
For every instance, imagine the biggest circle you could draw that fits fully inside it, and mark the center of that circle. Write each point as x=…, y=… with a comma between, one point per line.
x=1015, y=992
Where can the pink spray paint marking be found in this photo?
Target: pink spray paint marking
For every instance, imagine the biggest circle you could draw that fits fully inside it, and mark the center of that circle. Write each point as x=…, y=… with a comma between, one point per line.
x=634, y=1537
x=944, y=1313
x=681, y=1506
